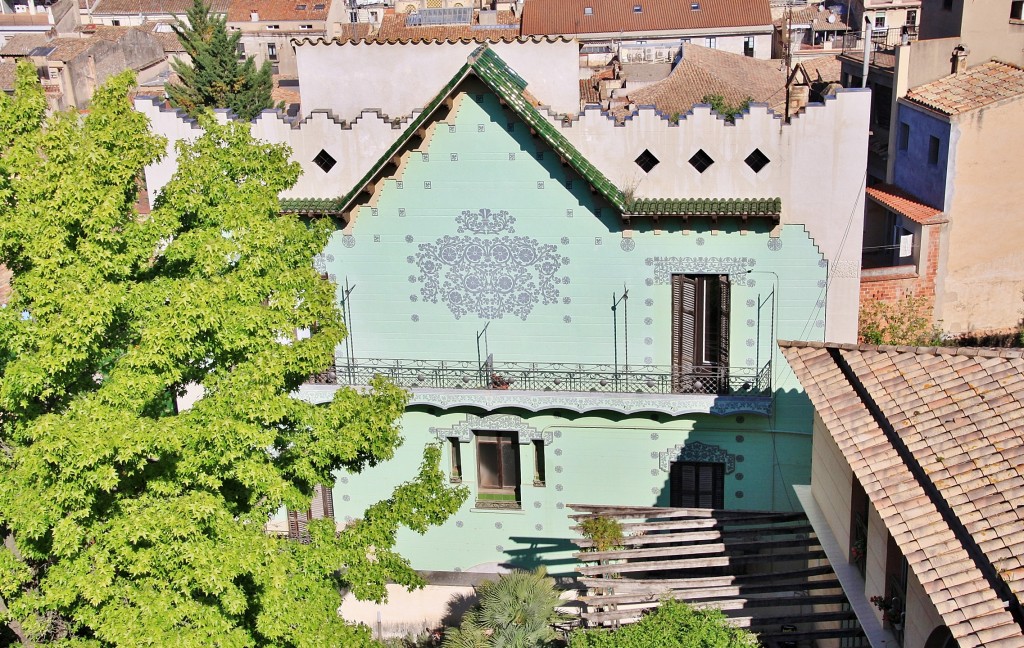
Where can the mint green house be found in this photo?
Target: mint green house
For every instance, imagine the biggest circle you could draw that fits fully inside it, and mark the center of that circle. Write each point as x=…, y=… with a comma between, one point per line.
x=582, y=312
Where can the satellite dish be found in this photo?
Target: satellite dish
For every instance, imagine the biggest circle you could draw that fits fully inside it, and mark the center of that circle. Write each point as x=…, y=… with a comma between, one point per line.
x=831, y=18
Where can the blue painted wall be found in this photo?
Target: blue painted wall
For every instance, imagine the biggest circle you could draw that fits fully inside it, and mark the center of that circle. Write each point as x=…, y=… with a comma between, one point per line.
x=912, y=172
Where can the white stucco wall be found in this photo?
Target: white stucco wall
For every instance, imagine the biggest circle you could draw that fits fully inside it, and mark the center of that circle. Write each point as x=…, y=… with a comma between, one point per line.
x=347, y=78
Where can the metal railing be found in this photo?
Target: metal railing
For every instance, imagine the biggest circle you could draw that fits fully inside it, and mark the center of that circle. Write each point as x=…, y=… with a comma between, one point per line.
x=554, y=377
x=883, y=41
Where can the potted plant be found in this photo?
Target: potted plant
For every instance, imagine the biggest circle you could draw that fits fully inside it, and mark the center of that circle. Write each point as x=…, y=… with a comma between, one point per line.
x=499, y=382
x=858, y=551
x=892, y=612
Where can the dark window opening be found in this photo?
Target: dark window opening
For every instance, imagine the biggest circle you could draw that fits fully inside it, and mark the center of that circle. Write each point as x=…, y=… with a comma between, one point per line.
x=115, y=23
x=858, y=526
x=324, y=160
x=697, y=485
x=911, y=20
x=701, y=161
x=947, y=5
x=933, y=150
x=455, y=455
x=637, y=9
x=895, y=588
x=904, y=137
x=498, y=470
x=700, y=334
x=272, y=51
x=300, y=7
x=538, y=463
x=322, y=507
x=241, y=50
x=647, y=161
x=1017, y=10
x=748, y=46
x=757, y=160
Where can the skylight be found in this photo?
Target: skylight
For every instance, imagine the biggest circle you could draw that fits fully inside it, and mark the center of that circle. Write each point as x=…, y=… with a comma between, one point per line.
x=588, y=11
x=695, y=6
x=637, y=9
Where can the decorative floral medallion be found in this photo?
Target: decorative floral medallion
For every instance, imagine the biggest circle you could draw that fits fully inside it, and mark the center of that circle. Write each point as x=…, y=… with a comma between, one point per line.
x=489, y=276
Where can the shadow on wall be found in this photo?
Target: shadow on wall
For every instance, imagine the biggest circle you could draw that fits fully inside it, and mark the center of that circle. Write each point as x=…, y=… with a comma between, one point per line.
x=529, y=553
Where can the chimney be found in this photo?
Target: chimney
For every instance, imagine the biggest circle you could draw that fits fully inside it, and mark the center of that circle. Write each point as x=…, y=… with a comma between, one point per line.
x=32, y=7
x=960, y=53
x=254, y=15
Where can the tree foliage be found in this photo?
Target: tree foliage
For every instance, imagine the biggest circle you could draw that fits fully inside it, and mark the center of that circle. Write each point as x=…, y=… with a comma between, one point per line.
x=125, y=523
x=515, y=611
x=216, y=78
x=672, y=625
x=725, y=109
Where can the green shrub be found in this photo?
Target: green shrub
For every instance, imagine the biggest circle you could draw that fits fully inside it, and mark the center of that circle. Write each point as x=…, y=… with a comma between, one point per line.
x=672, y=625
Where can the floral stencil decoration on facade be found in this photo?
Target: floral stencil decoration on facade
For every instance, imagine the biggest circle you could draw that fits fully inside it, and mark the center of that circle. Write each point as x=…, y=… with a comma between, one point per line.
x=489, y=276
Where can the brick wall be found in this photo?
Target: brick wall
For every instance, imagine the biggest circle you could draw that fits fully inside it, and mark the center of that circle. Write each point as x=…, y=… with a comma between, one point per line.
x=892, y=284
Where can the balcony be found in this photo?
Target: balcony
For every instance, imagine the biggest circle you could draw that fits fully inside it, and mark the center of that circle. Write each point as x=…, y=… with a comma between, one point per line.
x=576, y=387
x=882, y=47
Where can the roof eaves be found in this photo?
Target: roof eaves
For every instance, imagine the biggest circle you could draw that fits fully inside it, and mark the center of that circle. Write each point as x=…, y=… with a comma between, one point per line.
x=346, y=201
x=510, y=87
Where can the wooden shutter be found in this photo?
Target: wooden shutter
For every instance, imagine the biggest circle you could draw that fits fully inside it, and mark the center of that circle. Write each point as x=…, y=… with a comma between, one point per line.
x=684, y=327
x=682, y=484
x=323, y=503
x=697, y=485
x=723, y=337
x=298, y=522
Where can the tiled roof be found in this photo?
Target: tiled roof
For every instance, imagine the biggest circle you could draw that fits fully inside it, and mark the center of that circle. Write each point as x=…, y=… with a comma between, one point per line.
x=151, y=7
x=7, y=75
x=352, y=31
x=589, y=93
x=936, y=438
x=546, y=17
x=66, y=49
x=824, y=68
x=902, y=202
x=22, y=44
x=979, y=86
x=168, y=39
x=270, y=10
x=393, y=28
x=311, y=205
x=703, y=71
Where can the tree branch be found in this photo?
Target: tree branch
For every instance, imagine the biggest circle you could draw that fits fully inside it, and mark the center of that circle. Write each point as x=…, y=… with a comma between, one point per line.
x=15, y=625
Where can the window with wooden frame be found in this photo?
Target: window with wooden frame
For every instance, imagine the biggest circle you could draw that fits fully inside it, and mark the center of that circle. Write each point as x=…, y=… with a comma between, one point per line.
x=322, y=507
x=700, y=333
x=694, y=484
x=538, y=463
x=497, y=463
x=455, y=455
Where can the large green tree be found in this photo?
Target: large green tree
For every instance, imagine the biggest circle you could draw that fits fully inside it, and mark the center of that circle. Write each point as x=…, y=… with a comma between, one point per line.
x=125, y=523
x=215, y=77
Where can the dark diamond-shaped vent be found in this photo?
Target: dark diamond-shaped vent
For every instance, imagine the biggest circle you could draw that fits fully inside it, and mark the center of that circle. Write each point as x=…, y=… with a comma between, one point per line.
x=324, y=160
x=647, y=161
x=701, y=161
x=757, y=160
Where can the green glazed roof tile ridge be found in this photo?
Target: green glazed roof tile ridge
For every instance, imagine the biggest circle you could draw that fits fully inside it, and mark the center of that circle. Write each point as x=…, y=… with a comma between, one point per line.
x=706, y=206
x=508, y=85
x=413, y=126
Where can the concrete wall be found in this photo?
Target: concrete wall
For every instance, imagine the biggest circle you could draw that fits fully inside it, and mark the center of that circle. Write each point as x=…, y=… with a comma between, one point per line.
x=256, y=38
x=832, y=481
x=983, y=276
x=135, y=50
x=983, y=25
x=374, y=66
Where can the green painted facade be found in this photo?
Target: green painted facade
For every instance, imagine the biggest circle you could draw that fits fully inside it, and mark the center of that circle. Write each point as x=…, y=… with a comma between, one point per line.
x=483, y=223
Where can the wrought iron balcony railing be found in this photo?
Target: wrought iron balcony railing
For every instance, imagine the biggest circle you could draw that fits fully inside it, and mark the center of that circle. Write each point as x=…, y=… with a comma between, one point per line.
x=555, y=377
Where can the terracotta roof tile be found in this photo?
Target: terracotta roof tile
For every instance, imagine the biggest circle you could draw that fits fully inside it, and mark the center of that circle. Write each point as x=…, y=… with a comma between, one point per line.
x=551, y=17
x=271, y=10
x=7, y=78
x=22, y=44
x=703, y=71
x=904, y=203
x=978, y=86
x=151, y=7
x=970, y=461
x=393, y=28
x=818, y=20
